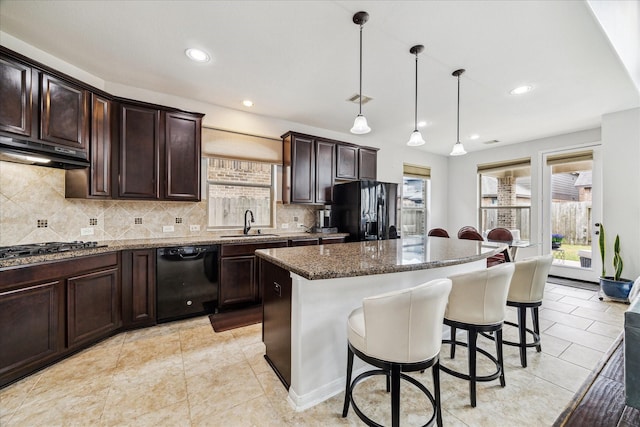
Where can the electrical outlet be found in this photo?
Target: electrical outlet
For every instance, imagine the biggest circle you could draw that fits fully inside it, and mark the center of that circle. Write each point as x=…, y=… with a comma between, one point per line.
x=284, y=225
x=194, y=228
x=167, y=229
x=88, y=231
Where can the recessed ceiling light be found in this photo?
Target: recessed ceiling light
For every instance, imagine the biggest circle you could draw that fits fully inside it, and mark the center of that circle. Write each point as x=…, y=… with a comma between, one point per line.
x=520, y=90
x=474, y=136
x=422, y=124
x=247, y=103
x=197, y=55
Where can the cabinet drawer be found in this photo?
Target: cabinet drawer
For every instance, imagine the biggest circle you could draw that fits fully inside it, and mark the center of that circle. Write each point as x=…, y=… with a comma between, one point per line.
x=249, y=249
x=330, y=240
x=14, y=277
x=310, y=241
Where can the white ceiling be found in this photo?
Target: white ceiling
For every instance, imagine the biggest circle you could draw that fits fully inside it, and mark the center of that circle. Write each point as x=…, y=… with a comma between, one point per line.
x=298, y=60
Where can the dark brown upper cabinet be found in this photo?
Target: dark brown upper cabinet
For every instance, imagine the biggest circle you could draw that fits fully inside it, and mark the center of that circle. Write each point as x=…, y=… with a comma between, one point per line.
x=299, y=179
x=367, y=164
x=95, y=181
x=138, y=152
x=16, y=100
x=64, y=114
x=311, y=166
x=182, y=156
x=325, y=171
x=347, y=162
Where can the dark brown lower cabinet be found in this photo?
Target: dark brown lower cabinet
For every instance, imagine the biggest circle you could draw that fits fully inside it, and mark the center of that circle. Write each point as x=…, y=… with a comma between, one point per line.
x=138, y=288
x=239, y=274
x=50, y=310
x=276, y=324
x=93, y=306
x=32, y=328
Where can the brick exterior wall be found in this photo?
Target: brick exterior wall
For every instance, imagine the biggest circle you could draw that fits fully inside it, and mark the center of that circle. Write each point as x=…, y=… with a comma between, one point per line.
x=507, y=197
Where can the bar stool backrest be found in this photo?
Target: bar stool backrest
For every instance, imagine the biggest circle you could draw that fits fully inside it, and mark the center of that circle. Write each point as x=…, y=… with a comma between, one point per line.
x=480, y=297
x=529, y=278
x=406, y=326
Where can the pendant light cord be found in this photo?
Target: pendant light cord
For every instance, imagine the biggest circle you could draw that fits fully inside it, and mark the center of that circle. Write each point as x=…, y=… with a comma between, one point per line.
x=415, y=118
x=360, y=96
x=458, y=123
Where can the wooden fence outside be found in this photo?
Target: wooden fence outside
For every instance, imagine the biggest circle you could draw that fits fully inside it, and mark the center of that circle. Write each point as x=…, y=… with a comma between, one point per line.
x=573, y=221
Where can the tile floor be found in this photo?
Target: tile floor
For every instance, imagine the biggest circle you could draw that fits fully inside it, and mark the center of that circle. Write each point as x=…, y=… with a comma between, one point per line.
x=184, y=374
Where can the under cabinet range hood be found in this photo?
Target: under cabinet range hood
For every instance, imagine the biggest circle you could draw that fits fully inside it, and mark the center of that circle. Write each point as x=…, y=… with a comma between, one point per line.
x=35, y=153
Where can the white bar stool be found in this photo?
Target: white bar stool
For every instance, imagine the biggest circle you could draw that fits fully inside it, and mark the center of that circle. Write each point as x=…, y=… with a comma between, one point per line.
x=398, y=332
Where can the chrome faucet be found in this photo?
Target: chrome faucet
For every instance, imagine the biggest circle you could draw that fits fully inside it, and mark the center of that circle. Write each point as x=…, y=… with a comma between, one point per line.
x=247, y=224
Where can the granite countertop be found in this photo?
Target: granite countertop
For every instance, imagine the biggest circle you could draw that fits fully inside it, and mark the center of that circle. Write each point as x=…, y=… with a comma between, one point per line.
x=378, y=257
x=118, y=245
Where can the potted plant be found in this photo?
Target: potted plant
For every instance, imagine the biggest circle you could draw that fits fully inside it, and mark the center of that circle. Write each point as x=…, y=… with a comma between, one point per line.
x=556, y=240
x=614, y=287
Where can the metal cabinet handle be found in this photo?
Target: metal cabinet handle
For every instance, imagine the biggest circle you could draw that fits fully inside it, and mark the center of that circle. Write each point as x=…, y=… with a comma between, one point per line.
x=277, y=289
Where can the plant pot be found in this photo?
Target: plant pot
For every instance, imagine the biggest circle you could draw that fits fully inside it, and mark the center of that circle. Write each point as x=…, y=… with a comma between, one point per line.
x=616, y=289
x=555, y=245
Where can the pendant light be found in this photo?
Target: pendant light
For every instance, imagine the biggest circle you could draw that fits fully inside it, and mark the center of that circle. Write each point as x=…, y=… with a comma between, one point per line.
x=360, y=125
x=458, y=148
x=416, y=138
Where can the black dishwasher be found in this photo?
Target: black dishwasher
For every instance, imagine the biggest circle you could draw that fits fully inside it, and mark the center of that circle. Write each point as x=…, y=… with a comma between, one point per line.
x=187, y=278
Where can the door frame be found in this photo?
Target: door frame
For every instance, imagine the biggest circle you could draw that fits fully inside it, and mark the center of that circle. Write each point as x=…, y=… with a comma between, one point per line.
x=565, y=271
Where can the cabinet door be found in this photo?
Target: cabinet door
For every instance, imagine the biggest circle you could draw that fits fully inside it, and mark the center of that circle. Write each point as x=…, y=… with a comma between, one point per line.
x=302, y=170
x=138, y=287
x=347, y=162
x=325, y=171
x=182, y=157
x=93, y=308
x=31, y=328
x=100, y=148
x=64, y=114
x=276, y=326
x=237, y=281
x=368, y=160
x=15, y=102
x=138, y=152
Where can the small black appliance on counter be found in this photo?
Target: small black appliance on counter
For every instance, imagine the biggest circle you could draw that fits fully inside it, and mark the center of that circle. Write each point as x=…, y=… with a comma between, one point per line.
x=367, y=210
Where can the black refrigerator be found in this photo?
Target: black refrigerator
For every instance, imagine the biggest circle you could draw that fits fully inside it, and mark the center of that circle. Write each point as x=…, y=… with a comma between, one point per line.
x=367, y=210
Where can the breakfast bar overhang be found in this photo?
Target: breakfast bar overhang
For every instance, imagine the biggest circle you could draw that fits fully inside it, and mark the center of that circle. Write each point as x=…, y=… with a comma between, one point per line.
x=309, y=291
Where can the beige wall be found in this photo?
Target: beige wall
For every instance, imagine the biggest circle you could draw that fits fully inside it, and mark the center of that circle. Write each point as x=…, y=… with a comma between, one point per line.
x=32, y=193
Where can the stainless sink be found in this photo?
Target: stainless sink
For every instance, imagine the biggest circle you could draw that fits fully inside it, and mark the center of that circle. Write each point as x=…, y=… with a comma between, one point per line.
x=248, y=235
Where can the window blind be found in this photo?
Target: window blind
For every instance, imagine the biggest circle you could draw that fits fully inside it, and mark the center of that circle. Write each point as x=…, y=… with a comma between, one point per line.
x=240, y=146
x=415, y=171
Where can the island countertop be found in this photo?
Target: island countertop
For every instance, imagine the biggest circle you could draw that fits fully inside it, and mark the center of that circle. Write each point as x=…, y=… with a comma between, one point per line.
x=378, y=257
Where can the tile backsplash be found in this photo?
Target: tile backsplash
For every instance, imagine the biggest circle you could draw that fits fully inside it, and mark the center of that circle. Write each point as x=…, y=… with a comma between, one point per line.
x=33, y=209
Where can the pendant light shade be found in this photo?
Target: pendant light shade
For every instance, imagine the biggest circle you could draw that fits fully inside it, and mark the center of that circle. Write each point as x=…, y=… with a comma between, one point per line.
x=458, y=148
x=360, y=125
x=416, y=138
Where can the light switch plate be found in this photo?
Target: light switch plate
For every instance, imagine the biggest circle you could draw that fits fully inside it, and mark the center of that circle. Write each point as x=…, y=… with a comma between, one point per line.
x=168, y=228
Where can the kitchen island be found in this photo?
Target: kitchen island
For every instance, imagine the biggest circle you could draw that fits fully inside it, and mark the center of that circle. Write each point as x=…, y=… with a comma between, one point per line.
x=308, y=292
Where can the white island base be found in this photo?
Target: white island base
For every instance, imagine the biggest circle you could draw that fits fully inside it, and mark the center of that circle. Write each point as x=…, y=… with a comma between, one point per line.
x=319, y=311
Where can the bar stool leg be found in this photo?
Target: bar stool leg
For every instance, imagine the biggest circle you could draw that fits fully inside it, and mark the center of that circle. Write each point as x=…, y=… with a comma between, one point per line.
x=395, y=395
x=473, y=338
x=453, y=342
x=536, y=326
x=347, y=391
x=435, y=370
x=522, y=329
x=500, y=356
